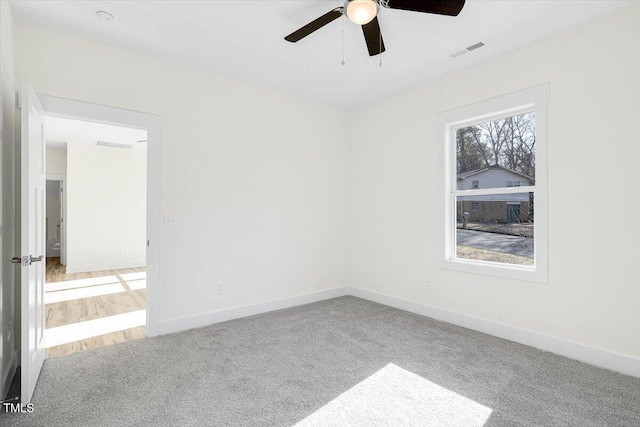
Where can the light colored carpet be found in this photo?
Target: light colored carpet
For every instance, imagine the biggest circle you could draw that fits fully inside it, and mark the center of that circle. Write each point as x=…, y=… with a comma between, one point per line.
x=342, y=362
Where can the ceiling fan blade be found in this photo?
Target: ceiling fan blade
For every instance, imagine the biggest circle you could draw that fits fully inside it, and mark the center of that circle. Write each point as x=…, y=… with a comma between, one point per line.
x=314, y=25
x=373, y=37
x=440, y=7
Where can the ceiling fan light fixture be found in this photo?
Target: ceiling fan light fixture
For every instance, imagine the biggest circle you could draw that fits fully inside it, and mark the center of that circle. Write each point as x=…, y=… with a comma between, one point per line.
x=361, y=12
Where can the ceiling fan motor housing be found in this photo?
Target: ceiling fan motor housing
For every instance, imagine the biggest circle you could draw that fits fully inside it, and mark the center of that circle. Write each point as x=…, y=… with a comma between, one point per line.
x=361, y=12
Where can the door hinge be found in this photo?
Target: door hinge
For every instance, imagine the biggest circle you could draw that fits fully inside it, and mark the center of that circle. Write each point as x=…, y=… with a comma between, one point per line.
x=147, y=243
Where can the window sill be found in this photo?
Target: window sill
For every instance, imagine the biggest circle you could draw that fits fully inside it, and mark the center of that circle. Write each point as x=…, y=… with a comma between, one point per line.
x=488, y=268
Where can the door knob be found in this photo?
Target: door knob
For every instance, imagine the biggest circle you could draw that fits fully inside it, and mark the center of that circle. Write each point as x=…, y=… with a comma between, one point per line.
x=35, y=259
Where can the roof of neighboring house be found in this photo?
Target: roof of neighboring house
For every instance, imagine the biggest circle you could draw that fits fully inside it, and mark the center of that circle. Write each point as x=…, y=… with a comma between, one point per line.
x=464, y=175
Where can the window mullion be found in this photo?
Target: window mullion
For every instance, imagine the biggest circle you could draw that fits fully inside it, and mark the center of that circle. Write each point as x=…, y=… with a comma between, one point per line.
x=490, y=191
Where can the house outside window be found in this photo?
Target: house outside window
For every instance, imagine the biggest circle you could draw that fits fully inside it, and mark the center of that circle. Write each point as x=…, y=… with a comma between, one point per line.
x=501, y=141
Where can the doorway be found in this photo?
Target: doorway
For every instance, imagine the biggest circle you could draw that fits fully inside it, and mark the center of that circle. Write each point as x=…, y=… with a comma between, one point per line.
x=72, y=109
x=95, y=226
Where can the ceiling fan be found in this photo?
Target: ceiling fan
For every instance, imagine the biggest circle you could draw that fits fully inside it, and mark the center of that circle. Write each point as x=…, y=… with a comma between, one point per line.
x=364, y=13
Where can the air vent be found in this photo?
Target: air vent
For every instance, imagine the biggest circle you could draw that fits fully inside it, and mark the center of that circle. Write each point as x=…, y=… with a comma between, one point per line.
x=114, y=145
x=459, y=53
x=475, y=46
x=467, y=50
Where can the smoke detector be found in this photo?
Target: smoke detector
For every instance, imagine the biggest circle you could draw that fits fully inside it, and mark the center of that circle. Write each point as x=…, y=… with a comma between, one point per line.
x=104, y=16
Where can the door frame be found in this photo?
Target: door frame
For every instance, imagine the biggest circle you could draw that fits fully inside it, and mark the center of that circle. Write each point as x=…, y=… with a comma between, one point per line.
x=79, y=110
x=62, y=178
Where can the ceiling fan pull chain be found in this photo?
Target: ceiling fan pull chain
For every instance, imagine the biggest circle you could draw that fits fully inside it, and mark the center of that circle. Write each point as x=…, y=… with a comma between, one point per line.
x=342, y=41
x=380, y=54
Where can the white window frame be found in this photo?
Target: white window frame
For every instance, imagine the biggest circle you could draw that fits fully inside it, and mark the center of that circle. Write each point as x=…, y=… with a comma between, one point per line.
x=529, y=100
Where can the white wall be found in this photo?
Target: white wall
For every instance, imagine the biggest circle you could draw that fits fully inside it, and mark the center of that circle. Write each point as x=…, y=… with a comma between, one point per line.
x=7, y=202
x=255, y=180
x=56, y=161
x=106, y=207
x=594, y=283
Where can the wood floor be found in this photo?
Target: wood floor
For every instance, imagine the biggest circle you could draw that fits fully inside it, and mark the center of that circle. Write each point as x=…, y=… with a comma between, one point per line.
x=85, y=305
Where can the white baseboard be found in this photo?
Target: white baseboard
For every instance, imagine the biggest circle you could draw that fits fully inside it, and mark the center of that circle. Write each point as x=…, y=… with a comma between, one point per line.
x=592, y=355
x=8, y=376
x=182, y=324
x=106, y=266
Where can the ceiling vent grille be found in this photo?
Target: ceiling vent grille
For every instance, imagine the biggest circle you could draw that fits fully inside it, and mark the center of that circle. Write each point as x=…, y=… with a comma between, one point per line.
x=467, y=50
x=114, y=145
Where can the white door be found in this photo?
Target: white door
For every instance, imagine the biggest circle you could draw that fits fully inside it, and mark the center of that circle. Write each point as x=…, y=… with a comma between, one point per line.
x=32, y=242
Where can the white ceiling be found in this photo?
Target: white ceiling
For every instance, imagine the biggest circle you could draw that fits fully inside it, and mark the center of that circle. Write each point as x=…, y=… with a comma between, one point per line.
x=59, y=131
x=244, y=40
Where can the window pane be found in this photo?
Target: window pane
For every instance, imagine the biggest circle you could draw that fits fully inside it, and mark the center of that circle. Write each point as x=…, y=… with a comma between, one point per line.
x=497, y=154
x=496, y=228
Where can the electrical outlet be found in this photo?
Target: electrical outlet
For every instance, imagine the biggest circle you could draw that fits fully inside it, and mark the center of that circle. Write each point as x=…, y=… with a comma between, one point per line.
x=169, y=221
x=429, y=288
x=219, y=288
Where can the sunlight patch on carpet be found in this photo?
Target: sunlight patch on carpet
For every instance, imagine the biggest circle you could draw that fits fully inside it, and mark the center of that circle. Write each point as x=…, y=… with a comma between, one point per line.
x=396, y=397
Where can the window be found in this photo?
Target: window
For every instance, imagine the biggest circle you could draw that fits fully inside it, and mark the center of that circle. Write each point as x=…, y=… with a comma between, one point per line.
x=496, y=140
